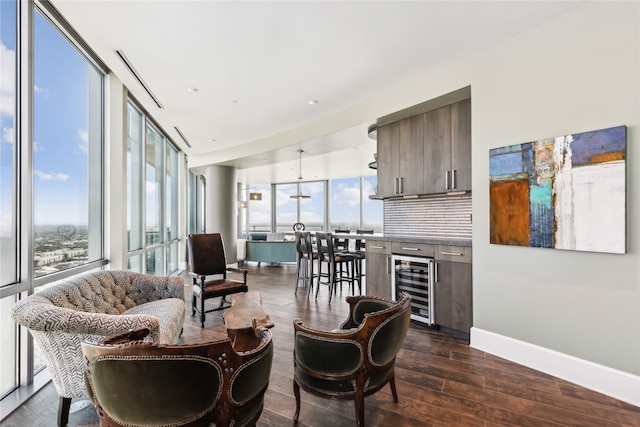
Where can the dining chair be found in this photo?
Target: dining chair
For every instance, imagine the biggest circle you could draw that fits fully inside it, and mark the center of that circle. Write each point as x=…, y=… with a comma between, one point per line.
x=341, y=242
x=360, y=253
x=306, y=257
x=335, y=261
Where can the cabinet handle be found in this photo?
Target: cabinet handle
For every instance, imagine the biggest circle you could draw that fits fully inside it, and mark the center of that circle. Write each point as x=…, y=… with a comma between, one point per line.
x=376, y=247
x=451, y=253
x=388, y=265
x=446, y=180
x=435, y=272
x=395, y=186
x=410, y=249
x=401, y=186
x=453, y=179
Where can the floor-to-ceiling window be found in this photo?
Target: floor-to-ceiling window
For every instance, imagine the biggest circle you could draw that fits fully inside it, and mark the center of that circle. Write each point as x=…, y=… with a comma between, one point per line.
x=371, y=208
x=348, y=206
x=67, y=153
x=309, y=211
x=259, y=211
x=345, y=204
x=51, y=168
x=8, y=191
x=152, y=196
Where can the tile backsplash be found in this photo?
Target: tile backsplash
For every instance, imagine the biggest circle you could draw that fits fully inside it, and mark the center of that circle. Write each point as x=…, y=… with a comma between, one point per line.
x=447, y=217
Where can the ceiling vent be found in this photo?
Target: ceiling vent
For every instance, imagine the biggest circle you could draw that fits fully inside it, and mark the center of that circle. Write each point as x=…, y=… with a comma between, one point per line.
x=135, y=74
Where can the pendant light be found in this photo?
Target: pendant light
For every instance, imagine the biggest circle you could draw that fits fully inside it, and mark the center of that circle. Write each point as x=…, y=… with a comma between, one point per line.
x=300, y=196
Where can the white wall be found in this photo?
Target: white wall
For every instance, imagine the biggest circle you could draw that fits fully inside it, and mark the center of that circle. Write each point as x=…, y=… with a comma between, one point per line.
x=575, y=315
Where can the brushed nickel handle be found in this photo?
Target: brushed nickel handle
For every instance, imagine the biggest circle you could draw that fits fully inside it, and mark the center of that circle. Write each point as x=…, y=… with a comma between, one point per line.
x=453, y=179
x=376, y=247
x=410, y=249
x=446, y=180
x=436, y=272
x=451, y=253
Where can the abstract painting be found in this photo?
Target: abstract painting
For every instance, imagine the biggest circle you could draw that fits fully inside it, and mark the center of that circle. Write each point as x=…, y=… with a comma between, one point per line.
x=566, y=192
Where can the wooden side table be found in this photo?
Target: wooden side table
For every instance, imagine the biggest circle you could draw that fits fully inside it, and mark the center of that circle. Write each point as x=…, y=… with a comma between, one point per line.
x=241, y=319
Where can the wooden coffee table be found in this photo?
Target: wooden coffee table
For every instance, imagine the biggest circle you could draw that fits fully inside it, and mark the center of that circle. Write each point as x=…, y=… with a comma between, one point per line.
x=242, y=317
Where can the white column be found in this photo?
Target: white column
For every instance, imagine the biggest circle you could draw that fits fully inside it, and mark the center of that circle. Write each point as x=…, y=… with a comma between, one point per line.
x=221, y=207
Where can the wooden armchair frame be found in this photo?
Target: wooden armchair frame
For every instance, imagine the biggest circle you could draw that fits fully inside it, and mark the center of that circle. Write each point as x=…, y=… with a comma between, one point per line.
x=132, y=382
x=355, y=361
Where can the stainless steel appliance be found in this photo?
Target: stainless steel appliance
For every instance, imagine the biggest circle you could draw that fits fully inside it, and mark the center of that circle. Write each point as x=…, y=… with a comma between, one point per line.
x=415, y=275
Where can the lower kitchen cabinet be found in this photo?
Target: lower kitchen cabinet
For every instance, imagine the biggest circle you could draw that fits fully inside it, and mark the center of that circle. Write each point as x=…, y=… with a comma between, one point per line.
x=453, y=298
x=378, y=274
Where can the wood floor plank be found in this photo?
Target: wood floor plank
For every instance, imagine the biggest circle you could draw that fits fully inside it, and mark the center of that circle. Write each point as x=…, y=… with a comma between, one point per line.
x=559, y=401
x=441, y=381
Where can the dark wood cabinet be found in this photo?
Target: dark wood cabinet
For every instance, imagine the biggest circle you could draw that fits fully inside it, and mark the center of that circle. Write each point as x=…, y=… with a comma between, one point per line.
x=428, y=153
x=387, y=161
x=453, y=290
x=400, y=151
x=461, y=145
x=378, y=274
x=437, y=145
x=447, y=150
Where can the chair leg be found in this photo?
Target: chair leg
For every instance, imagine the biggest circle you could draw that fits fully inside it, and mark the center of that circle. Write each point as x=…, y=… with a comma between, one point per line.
x=359, y=402
x=310, y=277
x=298, y=277
x=63, y=411
x=202, y=309
x=392, y=383
x=296, y=393
x=193, y=305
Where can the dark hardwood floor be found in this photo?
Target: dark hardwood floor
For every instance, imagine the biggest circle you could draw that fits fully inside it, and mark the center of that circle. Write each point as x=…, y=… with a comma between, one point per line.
x=441, y=381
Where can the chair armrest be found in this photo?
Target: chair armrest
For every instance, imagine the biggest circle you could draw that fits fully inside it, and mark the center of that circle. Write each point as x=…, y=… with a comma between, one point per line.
x=239, y=270
x=125, y=337
x=327, y=353
x=360, y=306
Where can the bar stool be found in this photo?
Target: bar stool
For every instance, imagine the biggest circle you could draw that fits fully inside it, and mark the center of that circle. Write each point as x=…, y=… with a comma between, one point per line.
x=360, y=254
x=305, y=259
x=327, y=255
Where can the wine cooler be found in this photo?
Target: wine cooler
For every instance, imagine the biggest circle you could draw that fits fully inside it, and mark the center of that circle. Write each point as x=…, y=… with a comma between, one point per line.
x=415, y=275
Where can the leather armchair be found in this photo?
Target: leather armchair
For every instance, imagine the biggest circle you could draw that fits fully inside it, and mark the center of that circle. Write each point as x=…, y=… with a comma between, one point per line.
x=358, y=359
x=135, y=383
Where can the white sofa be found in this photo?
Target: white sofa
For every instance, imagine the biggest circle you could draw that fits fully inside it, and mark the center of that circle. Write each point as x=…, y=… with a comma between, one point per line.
x=92, y=306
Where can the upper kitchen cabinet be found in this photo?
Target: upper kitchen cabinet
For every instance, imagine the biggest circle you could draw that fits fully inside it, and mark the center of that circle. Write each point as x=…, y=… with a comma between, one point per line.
x=428, y=153
x=461, y=145
x=447, y=148
x=400, y=157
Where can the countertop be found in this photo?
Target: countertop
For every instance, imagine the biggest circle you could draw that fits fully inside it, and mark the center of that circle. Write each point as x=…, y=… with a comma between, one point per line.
x=412, y=239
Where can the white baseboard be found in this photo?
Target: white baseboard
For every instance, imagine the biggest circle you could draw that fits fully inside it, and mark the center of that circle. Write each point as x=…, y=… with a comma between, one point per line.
x=602, y=379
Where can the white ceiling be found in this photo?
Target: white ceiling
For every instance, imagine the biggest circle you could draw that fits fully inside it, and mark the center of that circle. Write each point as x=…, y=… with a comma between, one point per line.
x=257, y=65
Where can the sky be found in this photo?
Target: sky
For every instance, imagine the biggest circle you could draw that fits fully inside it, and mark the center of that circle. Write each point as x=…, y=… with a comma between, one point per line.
x=60, y=160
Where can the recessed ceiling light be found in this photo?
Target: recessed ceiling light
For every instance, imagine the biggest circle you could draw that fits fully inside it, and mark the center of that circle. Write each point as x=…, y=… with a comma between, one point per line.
x=212, y=140
x=235, y=101
x=192, y=89
x=313, y=101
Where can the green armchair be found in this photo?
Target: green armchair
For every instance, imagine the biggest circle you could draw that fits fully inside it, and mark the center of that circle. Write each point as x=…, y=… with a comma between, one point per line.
x=358, y=359
x=136, y=383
